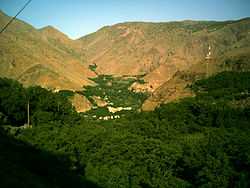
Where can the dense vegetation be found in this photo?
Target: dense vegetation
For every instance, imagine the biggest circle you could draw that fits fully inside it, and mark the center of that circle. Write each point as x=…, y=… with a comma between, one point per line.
x=44, y=105
x=24, y=166
x=115, y=92
x=197, y=142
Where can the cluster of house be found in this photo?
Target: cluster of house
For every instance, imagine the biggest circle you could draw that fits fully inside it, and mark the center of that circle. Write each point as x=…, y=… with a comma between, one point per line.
x=105, y=117
x=112, y=110
x=208, y=56
x=109, y=117
x=117, y=109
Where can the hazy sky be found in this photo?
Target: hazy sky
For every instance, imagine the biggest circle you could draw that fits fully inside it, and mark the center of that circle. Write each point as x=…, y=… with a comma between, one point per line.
x=80, y=17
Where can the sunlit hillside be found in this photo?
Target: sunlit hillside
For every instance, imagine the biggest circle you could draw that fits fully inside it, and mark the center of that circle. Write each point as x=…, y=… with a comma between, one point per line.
x=118, y=94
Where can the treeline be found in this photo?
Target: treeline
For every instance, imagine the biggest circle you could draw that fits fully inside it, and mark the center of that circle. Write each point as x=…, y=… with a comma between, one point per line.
x=44, y=105
x=197, y=142
x=24, y=166
x=115, y=90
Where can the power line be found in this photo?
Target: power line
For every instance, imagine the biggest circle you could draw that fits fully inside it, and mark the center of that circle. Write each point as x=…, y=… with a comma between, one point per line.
x=12, y=19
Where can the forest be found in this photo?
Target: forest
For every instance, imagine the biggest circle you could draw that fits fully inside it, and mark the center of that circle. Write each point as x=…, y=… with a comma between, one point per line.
x=201, y=141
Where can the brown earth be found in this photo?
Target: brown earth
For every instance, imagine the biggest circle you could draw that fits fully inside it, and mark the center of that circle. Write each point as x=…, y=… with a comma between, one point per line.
x=161, y=52
x=81, y=103
x=41, y=57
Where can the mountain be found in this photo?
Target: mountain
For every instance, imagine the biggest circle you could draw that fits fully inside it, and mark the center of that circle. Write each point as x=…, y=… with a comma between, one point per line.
x=159, y=50
x=43, y=57
x=167, y=56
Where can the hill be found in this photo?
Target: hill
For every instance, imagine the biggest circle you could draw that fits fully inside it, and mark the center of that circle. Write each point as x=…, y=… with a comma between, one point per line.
x=25, y=166
x=167, y=56
x=159, y=50
x=200, y=141
x=43, y=57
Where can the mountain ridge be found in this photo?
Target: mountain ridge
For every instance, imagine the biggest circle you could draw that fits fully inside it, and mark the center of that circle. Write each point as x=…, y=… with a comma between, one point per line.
x=24, y=47
x=154, y=51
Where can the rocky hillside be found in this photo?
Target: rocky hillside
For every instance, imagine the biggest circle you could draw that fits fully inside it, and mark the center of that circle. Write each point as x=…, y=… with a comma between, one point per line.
x=43, y=57
x=159, y=50
x=168, y=56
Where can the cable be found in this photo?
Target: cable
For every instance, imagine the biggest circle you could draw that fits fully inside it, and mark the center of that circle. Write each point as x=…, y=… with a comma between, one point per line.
x=12, y=19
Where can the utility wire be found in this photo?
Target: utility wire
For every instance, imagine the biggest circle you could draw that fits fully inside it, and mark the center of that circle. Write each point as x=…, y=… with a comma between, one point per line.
x=12, y=19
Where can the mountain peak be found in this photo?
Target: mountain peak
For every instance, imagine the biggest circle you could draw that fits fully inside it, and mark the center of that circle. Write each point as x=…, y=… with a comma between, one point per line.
x=2, y=13
x=4, y=16
x=49, y=28
x=52, y=31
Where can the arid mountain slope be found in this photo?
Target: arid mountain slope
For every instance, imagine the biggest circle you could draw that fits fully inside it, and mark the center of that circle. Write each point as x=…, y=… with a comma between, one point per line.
x=178, y=86
x=43, y=57
x=159, y=50
x=166, y=55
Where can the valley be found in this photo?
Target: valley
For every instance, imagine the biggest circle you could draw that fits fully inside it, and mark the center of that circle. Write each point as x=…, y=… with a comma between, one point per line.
x=132, y=105
x=109, y=97
x=207, y=135
x=159, y=53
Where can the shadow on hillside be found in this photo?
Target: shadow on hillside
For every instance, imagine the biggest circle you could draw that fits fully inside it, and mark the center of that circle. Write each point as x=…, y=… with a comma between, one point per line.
x=22, y=166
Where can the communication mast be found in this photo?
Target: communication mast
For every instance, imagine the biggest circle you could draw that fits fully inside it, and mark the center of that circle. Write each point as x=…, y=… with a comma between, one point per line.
x=208, y=60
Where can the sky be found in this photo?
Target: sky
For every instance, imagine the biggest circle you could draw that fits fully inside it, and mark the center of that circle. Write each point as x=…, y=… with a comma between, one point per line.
x=77, y=18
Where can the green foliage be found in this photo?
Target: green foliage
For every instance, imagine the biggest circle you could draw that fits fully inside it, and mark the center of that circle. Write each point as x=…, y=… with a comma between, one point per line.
x=115, y=91
x=197, y=142
x=235, y=81
x=3, y=119
x=66, y=93
x=93, y=67
x=225, y=86
x=141, y=81
x=12, y=101
x=239, y=64
x=24, y=166
x=101, y=111
x=43, y=104
x=40, y=117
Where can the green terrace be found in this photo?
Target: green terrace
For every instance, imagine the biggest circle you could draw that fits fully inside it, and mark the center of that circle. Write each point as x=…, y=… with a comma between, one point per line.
x=115, y=92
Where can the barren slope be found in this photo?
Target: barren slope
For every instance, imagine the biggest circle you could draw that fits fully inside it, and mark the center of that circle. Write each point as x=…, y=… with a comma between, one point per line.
x=165, y=54
x=31, y=56
x=159, y=50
